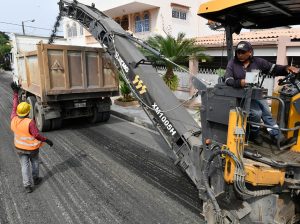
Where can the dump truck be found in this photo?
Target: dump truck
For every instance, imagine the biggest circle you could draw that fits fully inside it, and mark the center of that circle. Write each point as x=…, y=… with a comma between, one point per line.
x=61, y=81
x=238, y=181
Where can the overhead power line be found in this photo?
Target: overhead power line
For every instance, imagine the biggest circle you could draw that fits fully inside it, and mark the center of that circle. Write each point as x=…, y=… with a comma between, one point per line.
x=14, y=24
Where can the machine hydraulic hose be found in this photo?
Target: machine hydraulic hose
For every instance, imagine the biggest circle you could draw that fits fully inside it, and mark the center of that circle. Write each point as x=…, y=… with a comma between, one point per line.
x=239, y=178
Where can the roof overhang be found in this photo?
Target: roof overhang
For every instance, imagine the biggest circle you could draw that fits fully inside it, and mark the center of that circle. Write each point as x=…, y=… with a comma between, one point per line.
x=180, y=6
x=130, y=8
x=252, y=14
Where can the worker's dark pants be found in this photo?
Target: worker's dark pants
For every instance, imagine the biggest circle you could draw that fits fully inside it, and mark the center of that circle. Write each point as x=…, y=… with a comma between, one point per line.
x=30, y=165
x=259, y=110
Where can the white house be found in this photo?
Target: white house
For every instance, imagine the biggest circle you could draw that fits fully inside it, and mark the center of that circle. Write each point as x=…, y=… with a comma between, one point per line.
x=147, y=17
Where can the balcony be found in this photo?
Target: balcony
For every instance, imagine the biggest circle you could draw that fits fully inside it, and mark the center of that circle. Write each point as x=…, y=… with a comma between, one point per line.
x=130, y=8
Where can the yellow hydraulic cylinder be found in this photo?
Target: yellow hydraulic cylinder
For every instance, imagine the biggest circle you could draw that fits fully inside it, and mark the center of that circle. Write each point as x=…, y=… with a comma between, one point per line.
x=235, y=142
x=294, y=120
x=256, y=174
x=263, y=175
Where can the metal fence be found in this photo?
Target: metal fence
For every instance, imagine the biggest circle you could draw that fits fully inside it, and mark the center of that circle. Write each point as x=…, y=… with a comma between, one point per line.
x=209, y=71
x=209, y=75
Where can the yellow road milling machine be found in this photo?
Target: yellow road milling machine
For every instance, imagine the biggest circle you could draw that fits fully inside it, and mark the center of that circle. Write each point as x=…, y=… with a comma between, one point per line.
x=238, y=182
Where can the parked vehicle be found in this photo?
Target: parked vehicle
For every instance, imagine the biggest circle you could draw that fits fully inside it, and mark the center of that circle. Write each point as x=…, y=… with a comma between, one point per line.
x=63, y=81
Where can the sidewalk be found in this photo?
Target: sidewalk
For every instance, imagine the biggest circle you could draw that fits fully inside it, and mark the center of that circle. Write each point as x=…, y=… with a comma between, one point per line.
x=137, y=115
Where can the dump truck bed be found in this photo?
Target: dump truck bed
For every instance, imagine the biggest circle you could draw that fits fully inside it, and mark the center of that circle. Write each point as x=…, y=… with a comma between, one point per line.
x=53, y=70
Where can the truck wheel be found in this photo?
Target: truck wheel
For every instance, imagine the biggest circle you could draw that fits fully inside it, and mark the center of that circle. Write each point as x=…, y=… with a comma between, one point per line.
x=56, y=123
x=41, y=123
x=31, y=100
x=106, y=116
x=96, y=117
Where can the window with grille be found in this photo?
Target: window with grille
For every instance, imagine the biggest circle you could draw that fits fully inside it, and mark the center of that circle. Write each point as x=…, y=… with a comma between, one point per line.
x=146, y=22
x=179, y=14
x=142, y=23
x=182, y=15
x=138, y=25
x=124, y=22
x=69, y=31
x=74, y=30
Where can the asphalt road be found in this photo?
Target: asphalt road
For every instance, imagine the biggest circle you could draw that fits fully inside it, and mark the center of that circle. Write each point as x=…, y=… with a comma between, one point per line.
x=112, y=172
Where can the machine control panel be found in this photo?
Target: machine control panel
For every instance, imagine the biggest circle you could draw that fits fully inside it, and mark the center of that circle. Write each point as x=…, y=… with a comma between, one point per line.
x=289, y=90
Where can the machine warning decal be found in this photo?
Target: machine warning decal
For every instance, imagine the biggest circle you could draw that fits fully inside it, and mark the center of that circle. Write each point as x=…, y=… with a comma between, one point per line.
x=121, y=62
x=139, y=85
x=164, y=119
x=56, y=66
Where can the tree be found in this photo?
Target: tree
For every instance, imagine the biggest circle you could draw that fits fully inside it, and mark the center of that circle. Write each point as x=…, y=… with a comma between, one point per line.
x=5, y=48
x=177, y=50
x=126, y=95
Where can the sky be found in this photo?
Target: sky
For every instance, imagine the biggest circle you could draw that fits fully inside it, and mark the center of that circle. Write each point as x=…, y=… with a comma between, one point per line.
x=44, y=12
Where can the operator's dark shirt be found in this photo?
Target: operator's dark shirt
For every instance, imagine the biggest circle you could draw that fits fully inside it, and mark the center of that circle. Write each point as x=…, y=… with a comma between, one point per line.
x=235, y=70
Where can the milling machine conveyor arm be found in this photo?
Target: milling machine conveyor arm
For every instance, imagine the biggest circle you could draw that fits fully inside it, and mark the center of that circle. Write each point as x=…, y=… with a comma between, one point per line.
x=172, y=120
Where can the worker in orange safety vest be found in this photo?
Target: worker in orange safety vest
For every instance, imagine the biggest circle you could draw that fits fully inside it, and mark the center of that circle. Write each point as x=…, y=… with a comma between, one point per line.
x=27, y=140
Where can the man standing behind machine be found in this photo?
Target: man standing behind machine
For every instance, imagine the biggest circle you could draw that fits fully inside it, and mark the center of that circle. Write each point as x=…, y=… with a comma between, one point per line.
x=243, y=62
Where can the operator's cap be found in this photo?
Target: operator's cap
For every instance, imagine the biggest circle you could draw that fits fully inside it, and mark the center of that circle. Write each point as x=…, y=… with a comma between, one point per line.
x=243, y=46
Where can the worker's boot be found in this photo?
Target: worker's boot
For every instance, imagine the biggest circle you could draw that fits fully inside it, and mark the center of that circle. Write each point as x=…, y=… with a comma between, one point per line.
x=281, y=137
x=28, y=189
x=256, y=138
x=37, y=180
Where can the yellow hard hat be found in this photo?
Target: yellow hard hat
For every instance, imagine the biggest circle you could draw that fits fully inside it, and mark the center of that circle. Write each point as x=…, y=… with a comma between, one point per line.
x=23, y=109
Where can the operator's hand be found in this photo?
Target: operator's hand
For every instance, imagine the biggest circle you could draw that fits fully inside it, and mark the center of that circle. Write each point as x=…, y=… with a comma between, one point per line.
x=49, y=142
x=292, y=69
x=15, y=87
x=243, y=82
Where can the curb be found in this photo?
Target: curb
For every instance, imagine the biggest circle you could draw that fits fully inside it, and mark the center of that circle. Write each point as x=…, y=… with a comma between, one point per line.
x=133, y=119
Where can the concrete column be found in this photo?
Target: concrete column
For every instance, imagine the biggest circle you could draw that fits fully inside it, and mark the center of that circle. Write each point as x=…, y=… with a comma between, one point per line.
x=130, y=22
x=283, y=42
x=193, y=69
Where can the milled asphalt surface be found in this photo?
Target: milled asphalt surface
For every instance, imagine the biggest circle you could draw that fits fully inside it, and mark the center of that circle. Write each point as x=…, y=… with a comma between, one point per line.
x=112, y=172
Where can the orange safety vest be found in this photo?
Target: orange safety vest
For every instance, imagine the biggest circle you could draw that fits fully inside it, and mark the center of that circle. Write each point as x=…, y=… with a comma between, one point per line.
x=23, y=139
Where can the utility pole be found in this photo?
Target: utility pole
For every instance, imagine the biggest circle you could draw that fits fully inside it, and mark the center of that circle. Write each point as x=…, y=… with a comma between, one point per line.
x=23, y=27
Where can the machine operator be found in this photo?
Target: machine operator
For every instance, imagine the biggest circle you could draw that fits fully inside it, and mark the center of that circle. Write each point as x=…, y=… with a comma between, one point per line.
x=244, y=61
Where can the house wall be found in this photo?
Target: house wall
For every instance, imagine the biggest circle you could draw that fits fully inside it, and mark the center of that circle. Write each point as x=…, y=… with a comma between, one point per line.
x=258, y=51
x=162, y=20
x=74, y=33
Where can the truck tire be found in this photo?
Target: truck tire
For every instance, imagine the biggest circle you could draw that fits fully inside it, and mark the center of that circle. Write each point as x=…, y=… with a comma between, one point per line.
x=106, y=116
x=96, y=117
x=31, y=100
x=41, y=123
x=56, y=123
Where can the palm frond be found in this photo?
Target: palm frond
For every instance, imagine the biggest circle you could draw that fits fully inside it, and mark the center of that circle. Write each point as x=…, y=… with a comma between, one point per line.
x=178, y=49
